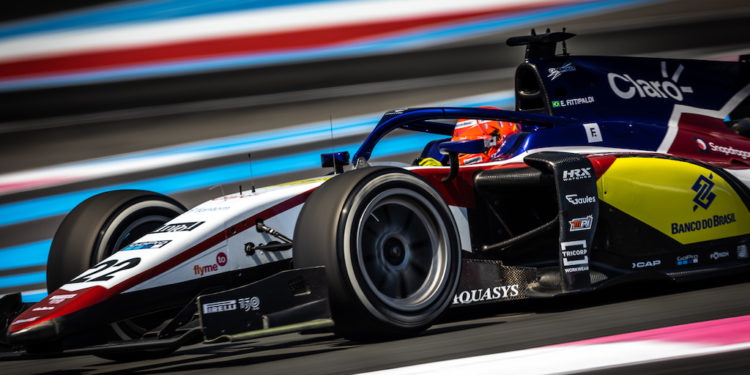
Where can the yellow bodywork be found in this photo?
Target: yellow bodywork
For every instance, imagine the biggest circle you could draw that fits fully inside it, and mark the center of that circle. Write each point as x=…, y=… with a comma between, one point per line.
x=686, y=202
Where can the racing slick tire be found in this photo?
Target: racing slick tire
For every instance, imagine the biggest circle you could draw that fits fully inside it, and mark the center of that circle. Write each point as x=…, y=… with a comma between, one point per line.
x=390, y=247
x=100, y=226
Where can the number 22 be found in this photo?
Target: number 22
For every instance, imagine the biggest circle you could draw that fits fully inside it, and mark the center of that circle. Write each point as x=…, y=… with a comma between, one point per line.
x=101, y=267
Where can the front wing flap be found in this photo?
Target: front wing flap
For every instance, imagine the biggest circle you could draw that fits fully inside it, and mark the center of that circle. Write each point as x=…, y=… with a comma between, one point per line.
x=288, y=301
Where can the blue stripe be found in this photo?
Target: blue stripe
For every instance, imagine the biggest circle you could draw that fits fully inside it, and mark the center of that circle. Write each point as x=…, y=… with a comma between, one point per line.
x=144, y=11
x=39, y=208
x=33, y=297
x=23, y=279
x=34, y=254
x=27, y=255
x=402, y=42
x=254, y=141
x=34, y=209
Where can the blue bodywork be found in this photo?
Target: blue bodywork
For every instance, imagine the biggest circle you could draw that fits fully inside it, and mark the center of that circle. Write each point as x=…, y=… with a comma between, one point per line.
x=559, y=98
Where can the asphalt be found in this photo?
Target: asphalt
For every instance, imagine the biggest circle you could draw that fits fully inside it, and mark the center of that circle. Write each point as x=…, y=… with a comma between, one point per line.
x=490, y=329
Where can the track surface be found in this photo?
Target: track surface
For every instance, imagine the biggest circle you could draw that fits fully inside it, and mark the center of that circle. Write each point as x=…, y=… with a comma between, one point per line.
x=673, y=29
x=487, y=330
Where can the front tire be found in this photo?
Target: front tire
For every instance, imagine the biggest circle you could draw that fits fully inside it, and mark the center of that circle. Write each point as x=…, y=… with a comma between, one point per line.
x=390, y=248
x=99, y=227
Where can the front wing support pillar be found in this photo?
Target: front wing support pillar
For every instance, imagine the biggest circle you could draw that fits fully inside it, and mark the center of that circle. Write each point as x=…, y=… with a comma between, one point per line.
x=575, y=183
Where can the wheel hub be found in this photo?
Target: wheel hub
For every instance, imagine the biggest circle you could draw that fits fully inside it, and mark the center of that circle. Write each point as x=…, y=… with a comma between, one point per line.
x=394, y=251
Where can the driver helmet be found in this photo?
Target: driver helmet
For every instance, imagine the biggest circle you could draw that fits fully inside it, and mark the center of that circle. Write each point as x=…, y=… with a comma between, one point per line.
x=492, y=131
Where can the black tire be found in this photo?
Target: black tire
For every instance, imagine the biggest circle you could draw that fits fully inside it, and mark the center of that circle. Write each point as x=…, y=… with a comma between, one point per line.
x=390, y=248
x=99, y=227
x=742, y=127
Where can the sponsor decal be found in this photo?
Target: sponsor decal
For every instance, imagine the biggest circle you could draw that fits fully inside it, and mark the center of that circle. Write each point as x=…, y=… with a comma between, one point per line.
x=742, y=251
x=178, y=227
x=574, y=199
x=249, y=303
x=646, y=264
x=716, y=255
x=576, y=174
x=556, y=72
x=701, y=144
x=473, y=160
x=25, y=320
x=202, y=270
x=700, y=224
x=209, y=209
x=575, y=256
x=465, y=123
x=215, y=307
x=147, y=245
x=687, y=260
x=60, y=298
x=487, y=294
x=702, y=187
x=572, y=102
x=581, y=223
x=729, y=150
x=577, y=269
x=221, y=261
x=43, y=308
x=593, y=134
x=627, y=87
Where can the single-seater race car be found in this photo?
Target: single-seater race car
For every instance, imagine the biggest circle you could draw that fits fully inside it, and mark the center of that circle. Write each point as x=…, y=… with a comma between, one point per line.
x=614, y=169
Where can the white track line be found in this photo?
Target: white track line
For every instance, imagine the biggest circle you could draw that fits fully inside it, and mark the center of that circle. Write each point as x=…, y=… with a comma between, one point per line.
x=566, y=359
x=283, y=18
x=196, y=151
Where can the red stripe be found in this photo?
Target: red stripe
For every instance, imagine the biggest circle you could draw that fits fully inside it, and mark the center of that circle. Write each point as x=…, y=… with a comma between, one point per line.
x=238, y=45
x=11, y=186
x=90, y=296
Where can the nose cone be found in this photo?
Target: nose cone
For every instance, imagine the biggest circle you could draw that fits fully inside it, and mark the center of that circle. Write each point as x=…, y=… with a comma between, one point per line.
x=45, y=321
x=45, y=331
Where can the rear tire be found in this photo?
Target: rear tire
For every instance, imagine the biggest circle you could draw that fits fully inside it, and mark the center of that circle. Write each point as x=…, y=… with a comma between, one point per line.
x=99, y=227
x=390, y=248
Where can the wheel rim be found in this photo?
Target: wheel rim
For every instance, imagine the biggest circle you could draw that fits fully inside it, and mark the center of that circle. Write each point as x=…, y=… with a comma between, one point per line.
x=135, y=230
x=402, y=249
x=118, y=237
x=128, y=329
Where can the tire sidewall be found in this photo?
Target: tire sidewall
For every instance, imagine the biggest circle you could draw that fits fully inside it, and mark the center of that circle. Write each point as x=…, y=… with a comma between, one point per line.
x=355, y=206
x=80, y=240
x=157, y=210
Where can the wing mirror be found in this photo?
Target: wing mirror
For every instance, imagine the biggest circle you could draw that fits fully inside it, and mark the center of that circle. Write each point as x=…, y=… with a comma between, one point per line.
x=337, y=160
x=452, y=149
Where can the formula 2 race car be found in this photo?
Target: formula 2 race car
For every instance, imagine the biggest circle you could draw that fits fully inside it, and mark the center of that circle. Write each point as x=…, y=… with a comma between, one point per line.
x=624, y=168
